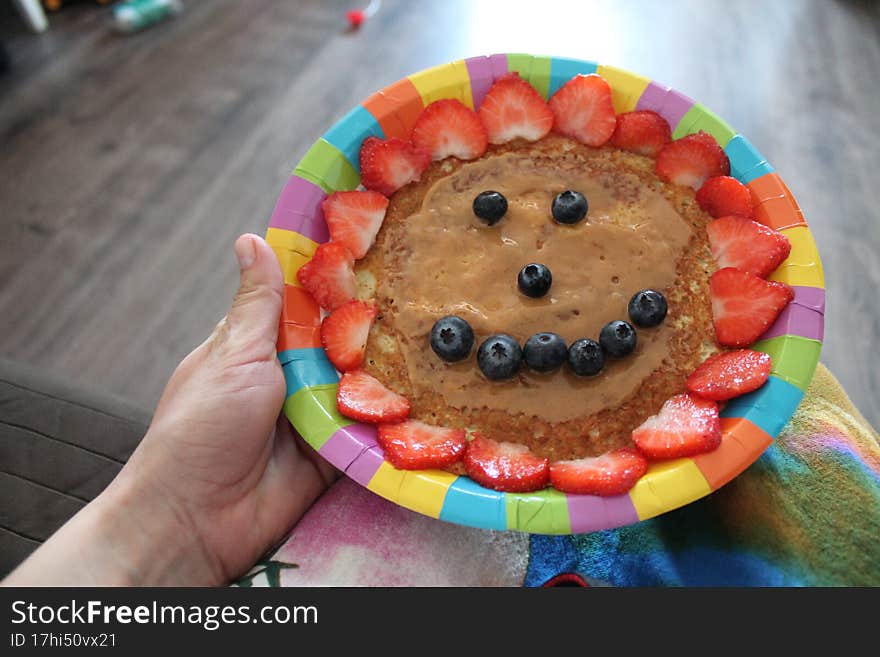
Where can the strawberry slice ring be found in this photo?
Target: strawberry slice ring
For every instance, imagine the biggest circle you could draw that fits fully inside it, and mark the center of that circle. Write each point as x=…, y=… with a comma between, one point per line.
x=722, y=163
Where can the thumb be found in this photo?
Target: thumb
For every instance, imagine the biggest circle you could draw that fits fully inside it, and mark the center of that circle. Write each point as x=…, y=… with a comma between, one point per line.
x=252, y=321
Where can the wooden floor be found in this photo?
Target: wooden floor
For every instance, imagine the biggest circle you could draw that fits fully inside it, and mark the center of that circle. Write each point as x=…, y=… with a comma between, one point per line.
x=129, y=164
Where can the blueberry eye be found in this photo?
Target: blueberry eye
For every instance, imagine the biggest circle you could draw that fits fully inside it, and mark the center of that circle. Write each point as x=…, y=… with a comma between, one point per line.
x=569, y=207
x=490, y=206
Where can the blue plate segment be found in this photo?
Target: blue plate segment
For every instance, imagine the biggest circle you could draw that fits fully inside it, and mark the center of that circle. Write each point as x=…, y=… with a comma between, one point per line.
x=746, y=162
x=769, y=407
x=468, y=503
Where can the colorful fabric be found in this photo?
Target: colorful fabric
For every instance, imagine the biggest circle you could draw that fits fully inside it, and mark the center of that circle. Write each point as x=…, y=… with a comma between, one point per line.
x=807, y=513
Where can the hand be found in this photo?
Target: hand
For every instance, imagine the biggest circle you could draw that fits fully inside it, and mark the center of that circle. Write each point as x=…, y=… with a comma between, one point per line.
x=219, y=477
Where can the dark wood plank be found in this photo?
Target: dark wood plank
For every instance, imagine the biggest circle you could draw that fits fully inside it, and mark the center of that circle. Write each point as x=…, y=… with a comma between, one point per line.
x=129, y=164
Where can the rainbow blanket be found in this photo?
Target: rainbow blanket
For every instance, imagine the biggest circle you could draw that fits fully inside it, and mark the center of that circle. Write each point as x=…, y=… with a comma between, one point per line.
x=807, y=513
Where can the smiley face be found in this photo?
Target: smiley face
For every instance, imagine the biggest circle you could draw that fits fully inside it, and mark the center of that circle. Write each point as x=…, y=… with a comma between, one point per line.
x=440, y=258
x=500, y=356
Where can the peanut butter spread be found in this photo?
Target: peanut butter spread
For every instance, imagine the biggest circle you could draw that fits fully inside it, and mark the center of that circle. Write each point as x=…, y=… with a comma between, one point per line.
x=434, y=257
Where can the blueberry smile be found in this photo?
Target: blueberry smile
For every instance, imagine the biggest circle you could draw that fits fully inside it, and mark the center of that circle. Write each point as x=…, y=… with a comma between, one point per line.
x=500, y=356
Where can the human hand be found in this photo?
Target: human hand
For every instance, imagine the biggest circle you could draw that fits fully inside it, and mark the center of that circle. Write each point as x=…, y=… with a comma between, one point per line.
x=218, y=478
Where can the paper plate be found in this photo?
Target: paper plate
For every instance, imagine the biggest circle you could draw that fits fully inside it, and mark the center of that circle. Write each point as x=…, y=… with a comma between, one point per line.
x=749, y=423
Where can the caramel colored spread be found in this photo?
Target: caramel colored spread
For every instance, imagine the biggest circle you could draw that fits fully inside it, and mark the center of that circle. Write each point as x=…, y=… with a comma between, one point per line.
x=435, y=258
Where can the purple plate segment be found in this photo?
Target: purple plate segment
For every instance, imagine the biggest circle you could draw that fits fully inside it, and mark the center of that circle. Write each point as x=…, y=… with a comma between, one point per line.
x=483, y=71
x=797, y=320
x=810, y=297
x=667, y=102
x=299, y=209
x=590, y=513
x=347, y=443
x=366, y=465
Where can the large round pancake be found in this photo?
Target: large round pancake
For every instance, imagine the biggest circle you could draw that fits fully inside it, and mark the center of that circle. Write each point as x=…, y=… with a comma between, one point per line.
x=690, y=341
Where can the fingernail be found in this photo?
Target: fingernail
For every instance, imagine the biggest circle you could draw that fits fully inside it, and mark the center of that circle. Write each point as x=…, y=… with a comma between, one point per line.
x=245, y=251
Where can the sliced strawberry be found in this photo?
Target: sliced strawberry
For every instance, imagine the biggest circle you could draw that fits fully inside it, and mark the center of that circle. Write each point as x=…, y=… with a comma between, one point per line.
x=644, y=132
x=613, y=473
x=744, y=306
x=747, y=245
x=449, y=128
x=329, y=276
x=686, y=425
x=362, y=397
x=582, y=109
x=344, y=334
x=730, y=374
x=389, y=164
x=722, y=195
x=689, y=161
x=512, y=108
x=505, y=466
x=354, y=218
x=414, y=445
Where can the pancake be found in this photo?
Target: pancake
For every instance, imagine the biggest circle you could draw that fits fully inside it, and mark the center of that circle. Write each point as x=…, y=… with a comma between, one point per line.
x=433, y=257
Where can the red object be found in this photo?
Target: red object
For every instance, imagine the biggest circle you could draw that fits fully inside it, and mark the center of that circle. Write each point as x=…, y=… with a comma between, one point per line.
x=329, y=276
x=354, y=219
x=364, y=398
x=344, y=334
x=731, y=374
x=722, y=195
x=513, y=109
x=686, y=425
x=506, y=467
x=613, y=473
x=582, y=109
x=747, y=245
x=744, y=305
x=449, y=128
x=355, y=17
x=691, y=160
x=565, y=579
x=414, y=445
x=389, y=164
x=644, y=132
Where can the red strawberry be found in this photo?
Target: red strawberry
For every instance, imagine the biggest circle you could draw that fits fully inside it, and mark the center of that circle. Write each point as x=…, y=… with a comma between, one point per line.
x=689, y=161
x=686, y=425
x=329, y=276
x=354, y=218
x=414, y=445
x=387, y=165
x=723, y=195
x=512, y=108
x=582, y=109
x=744, y=306
x=449, y=128
x=504, y=466
x=730, y=374
x=344, y=334
x=613, y=473
x=747, y=245
x=644, y=132
x=362, y=397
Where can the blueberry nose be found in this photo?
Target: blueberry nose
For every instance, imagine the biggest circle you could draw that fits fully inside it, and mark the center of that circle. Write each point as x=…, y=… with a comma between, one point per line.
x=534, y=280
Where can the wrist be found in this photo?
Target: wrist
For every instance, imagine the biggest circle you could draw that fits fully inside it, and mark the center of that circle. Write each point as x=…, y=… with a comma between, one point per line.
x=150, y=540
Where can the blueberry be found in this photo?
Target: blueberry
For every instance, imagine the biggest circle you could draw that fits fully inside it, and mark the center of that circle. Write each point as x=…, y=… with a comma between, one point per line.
x=534, y=280
x=499, y=357
x=585, y=357
x=618, y=338
x=452, y=338
x=490, y=207
x=647, y=308
x=569, y=207
x=544, y=352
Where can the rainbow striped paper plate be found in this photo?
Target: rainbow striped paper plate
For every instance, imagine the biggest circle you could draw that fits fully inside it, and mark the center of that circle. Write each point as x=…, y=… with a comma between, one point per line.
x=749, y=423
